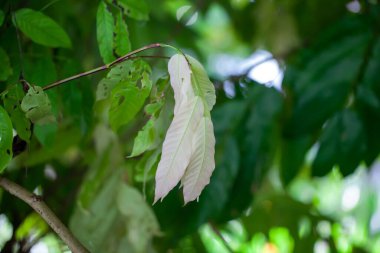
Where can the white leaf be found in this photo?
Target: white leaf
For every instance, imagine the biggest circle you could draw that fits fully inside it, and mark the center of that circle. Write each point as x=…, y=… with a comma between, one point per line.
x=177, y=147
x=199, y=78
x=180, y=79
x=202, y=162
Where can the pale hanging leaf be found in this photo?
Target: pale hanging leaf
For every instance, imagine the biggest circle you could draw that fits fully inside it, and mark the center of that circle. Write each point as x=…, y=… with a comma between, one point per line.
x=180, y=79
x=104, y=32
x=176, y=150
x=204, y=87
x=202, y=162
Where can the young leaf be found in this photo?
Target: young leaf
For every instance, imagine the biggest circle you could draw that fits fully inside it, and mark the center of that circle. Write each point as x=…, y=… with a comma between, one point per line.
x=180, y=79
x=37, y=106
x=176, y=151
x=204, y=87
x=6, y=137
x=104, y=32
x=41, y=29
x=122, y=43
x=202, y=162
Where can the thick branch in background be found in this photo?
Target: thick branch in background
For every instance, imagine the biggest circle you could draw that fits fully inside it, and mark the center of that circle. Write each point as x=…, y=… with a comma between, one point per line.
x=45, y=212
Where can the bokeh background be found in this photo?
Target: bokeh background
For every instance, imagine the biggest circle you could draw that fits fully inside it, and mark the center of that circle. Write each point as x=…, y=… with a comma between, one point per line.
x=297, y=123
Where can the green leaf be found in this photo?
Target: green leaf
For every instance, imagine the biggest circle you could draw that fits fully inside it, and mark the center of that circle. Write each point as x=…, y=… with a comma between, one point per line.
x=258, y=136
x=117, y=74
x=41, y=29
x=12, y=103
x=322, y=84
x=6, y=138
x=5, y=70
x=342, y=143
x=137, y=9
x=37, y=106
x=143, y=224
x=292, y=157
x=46, y=134
x=116, y=212
x=153, y=109
x=122, y=43
x=127, y=100
x=104, y=32
x=145, y=139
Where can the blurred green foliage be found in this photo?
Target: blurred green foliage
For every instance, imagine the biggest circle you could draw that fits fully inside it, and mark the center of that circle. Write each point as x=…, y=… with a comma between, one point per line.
x=297, y=166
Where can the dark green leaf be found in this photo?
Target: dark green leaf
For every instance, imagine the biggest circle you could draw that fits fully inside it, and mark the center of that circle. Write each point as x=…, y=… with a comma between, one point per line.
x=321, y=87
x=293, y=156
x=104, y=32
x=41, y=29
x=12, y=103
x=258, y=138
x=6, y=137
x=5, y=70
x=342, y=143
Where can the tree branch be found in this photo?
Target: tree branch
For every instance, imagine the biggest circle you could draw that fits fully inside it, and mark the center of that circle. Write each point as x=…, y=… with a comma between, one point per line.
x=130, y=55
x=45, y=212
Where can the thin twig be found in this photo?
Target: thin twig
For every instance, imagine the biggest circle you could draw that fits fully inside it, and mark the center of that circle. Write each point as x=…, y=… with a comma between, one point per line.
x=45, y=212
x=219, y=234
x=130, y=55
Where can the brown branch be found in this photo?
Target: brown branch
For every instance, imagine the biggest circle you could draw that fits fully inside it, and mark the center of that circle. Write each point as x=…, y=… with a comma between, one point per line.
x=45, y=212
x=130, y=55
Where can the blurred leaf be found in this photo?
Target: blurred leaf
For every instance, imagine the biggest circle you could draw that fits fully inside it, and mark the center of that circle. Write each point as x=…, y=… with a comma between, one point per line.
x=5, y=70
x=104, y=228
x=320, y=88
x=258, y=138
x=292, y=157
x=6, y=137
x=122, y=43
x=142, y=223
x=104, y=32
x=278, y=210
x=37, y=106
x=41, y=29
x=12, y=104
x=152, y=109
x=32, y=226
x=137, y=9
x=342, y=143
